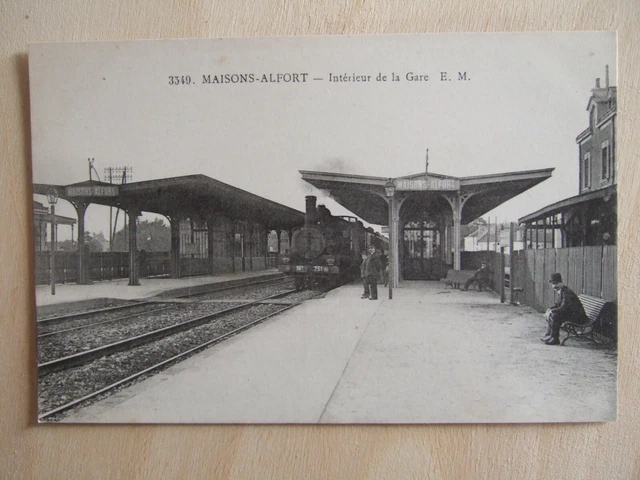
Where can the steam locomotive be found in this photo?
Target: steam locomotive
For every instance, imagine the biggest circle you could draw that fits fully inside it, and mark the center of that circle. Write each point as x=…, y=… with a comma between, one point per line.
x=326, y=252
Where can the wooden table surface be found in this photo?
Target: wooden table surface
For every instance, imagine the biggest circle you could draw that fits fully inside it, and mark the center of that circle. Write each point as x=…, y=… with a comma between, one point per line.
x=598, y=451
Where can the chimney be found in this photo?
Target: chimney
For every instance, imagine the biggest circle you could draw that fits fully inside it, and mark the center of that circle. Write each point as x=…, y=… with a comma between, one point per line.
x=597, y=83
x=606, y=77
x=311, y=215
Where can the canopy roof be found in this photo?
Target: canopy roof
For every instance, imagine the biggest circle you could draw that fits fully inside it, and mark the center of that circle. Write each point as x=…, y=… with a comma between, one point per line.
x=605, y=194
x=365, y=195
x=181, y=196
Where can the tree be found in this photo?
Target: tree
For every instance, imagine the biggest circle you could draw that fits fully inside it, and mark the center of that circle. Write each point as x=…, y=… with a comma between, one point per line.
x=478, y=221
x=66, y=246
x=96, y=242
x=152, y=236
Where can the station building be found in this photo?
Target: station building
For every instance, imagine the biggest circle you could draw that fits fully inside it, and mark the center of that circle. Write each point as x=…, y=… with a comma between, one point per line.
x=215, y=228
x=424, y=212
x=42, y=221
x=589, y=218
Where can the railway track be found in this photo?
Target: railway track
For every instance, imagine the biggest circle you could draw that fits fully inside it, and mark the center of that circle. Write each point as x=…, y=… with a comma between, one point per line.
x=88, y=314
x=71, y=324
x=108, y=329
x=81, y=357
x=96, y=372
x=79, y=320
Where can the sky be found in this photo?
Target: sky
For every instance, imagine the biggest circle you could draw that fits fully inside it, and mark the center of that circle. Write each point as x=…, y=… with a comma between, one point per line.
x=509, y=102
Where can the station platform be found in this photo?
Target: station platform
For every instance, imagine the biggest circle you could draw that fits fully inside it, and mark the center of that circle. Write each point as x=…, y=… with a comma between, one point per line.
x=120, y=289
x=430, y=355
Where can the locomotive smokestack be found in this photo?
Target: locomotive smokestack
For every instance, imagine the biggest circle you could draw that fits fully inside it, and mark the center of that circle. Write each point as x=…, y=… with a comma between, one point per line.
x=311, y=215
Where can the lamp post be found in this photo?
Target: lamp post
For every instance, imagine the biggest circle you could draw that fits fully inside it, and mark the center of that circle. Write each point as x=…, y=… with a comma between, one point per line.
x=52, y=197
x=390, y=189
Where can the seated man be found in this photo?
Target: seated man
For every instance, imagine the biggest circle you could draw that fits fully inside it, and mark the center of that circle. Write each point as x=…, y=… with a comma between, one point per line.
x=567, y=309
x=481, y=277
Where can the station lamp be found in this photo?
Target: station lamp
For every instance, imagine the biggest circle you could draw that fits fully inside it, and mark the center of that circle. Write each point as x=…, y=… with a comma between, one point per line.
x=390, y=190
x=52, y=197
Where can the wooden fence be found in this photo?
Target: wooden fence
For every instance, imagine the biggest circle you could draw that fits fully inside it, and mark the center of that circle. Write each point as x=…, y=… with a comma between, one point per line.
x=102, y=266
x=472, y=261
x=586, y=270
x=112, y=265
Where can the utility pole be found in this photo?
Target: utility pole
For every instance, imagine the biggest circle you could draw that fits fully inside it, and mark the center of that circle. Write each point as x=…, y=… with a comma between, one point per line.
x=488, y=233
x=117, y=175
x=109, y=178
x=512, y=238
x=92, y=169
x=426, y=166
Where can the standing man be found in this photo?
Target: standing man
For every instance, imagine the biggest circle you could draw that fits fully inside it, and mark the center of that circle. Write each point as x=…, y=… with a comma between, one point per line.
x=385, y=269
x=567, y=309
x=363, y=269
x=372, y=267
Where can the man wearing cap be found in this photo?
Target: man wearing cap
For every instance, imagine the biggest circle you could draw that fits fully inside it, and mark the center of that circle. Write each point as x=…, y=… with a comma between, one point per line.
x=567, y=309
x=365, y=281
x=481, y=277
x=371, y=270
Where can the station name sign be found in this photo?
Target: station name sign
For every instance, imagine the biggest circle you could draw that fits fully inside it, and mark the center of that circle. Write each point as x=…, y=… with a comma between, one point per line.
x=425, y=184
x=92, y=191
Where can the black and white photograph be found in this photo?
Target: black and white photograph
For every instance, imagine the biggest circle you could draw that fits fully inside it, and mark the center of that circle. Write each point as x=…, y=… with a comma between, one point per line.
x=367, y=229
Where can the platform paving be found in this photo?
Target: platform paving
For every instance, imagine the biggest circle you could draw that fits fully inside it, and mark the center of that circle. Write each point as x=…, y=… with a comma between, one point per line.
x=121, y=290
x=430, y=355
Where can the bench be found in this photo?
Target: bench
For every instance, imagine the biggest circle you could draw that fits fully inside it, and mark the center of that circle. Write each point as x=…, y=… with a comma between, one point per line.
x=456, y=278
x=598, y=311
x=516, y=295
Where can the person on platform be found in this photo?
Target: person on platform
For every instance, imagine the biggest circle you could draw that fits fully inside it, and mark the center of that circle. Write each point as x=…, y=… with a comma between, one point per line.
x=567, y=309
x=371, y=269
x=385, y=268
x=481, y=277
x=363, y=267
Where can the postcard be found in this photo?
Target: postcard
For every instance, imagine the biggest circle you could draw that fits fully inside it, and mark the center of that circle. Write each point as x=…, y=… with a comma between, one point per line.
x=375, y=229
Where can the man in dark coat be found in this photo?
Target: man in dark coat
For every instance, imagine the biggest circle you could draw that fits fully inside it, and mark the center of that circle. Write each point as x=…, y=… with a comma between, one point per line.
x=567, y=309
x=365, y=283
x=371, y=270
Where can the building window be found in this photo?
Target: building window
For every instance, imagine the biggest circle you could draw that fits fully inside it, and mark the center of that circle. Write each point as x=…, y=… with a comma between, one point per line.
x=593, y=117
x=586, y=170
x=606, y=160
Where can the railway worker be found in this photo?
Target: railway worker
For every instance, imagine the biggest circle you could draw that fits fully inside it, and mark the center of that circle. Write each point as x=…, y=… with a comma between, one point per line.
x=363, y=266
x=372, y=267
x=567, y=309
x=481, y=277
x=384, y=270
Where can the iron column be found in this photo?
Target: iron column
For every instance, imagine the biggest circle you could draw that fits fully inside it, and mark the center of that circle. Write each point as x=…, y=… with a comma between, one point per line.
x=53, y=198
x=390, y=188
